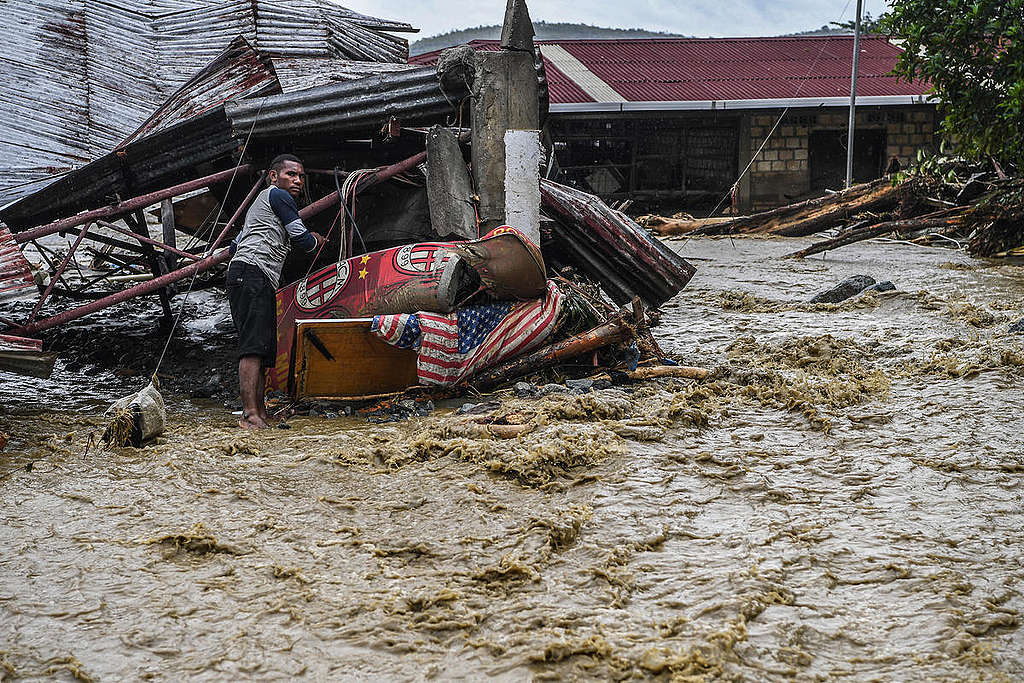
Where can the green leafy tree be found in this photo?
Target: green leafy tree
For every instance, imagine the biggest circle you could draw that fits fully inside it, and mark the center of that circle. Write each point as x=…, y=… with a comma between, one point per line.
x=868, y=24
x=972, y=52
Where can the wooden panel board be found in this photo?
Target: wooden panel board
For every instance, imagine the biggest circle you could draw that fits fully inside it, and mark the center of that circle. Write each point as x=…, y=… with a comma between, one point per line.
x=342, y=359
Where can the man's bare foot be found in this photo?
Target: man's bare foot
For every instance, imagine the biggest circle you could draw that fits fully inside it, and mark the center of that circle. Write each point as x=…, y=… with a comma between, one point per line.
x=252, y=422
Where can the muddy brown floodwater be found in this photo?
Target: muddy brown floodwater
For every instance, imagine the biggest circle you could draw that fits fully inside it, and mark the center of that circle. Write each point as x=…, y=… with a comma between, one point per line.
x=842, y=500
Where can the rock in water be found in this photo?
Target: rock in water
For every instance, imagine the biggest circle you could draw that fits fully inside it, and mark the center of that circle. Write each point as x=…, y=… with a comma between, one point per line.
x=851, y=286
x=1017, y=327
x=525, y=390
x=883, y=286
x=580, y=385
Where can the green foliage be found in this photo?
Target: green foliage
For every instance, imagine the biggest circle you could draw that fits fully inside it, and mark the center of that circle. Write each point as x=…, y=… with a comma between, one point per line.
x=972, y=52
x=940, y=165
x=868, y=24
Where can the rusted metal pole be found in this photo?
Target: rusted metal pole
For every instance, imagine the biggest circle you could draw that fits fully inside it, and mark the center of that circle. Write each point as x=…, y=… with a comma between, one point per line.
x=155, y=284
x=147, y=240
x=140, y=202
x=57, y=275
x=242, y=208
x=138, y=290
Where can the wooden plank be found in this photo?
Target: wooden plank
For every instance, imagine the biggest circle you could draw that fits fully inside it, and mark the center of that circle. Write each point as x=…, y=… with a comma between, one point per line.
x=341, y=359
x=31, y=363
x=25, y=356
x=170, y=238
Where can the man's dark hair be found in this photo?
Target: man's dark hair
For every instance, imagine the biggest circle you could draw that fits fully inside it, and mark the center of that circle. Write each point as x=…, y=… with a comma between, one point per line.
x=277, y=163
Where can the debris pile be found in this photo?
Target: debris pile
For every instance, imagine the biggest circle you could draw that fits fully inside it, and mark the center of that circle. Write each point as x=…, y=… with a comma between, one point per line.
x=944, y=202
x=448, y=262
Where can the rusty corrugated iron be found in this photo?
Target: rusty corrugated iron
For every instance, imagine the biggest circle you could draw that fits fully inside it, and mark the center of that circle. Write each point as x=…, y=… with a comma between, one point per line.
x=415, y=96
x=238, y=71
x=357, y=108
x=43, y=63
x=296, y=74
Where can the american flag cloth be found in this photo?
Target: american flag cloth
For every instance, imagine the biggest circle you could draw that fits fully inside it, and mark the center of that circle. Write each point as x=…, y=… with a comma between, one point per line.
x=455, y=346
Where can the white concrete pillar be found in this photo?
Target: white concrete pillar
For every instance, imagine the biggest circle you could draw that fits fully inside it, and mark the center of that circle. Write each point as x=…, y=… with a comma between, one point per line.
x=523, y=157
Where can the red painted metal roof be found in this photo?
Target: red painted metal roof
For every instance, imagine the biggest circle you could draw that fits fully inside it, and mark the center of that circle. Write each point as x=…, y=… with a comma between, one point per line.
x=698, y=69
x=561, y=88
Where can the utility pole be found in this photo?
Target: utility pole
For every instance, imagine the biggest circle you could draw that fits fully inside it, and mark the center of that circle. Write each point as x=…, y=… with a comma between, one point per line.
x=853, y=96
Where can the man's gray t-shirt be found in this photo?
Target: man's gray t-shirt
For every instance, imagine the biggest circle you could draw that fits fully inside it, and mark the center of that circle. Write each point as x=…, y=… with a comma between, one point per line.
x=271, y=225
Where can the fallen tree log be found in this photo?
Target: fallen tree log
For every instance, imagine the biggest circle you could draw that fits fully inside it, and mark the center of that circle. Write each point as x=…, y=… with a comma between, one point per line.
x=655, y=371
x=683, y=371
x=940, y=219
x=682, y=226
x=813, y=215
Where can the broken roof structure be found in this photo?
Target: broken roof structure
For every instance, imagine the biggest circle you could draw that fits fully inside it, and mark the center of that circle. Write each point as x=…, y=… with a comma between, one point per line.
x=80, y=76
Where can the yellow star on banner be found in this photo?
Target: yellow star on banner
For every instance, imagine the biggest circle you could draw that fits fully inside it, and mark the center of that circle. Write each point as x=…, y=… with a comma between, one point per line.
x=362, y=273
x=364, y=259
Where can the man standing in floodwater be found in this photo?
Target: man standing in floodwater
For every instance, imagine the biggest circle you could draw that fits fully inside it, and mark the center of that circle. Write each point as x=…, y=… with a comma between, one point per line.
x=272, y=225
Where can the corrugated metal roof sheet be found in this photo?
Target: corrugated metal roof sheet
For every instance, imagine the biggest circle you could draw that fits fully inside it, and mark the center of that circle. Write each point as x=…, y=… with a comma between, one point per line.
x=594, y=88
x=301, y=74
x=239, y=71
x=15, y=273
x=700, y=69
x=77, y=76
x=356, y=107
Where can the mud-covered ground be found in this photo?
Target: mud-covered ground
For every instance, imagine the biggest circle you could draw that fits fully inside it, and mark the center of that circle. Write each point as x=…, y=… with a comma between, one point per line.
x=842, y=500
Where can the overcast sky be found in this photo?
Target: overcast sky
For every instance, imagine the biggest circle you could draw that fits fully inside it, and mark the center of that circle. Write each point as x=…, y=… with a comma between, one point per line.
x=686, y=17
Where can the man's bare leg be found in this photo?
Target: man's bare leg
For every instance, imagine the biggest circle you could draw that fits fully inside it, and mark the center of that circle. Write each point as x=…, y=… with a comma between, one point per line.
x=262, y=410
x=251, y=385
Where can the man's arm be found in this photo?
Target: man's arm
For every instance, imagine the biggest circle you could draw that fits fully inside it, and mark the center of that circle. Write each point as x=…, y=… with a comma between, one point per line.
x=284, y=207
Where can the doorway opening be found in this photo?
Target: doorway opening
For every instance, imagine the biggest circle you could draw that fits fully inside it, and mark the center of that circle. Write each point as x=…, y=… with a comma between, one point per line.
x=826, y=157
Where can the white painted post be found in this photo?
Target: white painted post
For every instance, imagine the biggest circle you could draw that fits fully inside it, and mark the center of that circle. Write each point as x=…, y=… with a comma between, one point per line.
x=523, y=155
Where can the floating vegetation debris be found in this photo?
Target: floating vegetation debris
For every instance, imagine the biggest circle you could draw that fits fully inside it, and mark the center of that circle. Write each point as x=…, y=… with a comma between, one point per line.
x=198, y=541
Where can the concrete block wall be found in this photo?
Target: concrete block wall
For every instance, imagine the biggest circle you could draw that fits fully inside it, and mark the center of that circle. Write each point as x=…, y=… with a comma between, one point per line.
x=780, y=172
x=916, y=131
x=786, y=150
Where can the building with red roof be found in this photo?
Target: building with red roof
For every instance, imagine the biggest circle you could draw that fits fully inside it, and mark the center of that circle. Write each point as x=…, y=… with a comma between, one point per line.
x=680, y=119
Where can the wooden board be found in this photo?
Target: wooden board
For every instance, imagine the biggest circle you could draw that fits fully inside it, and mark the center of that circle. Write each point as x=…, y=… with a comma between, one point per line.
x=25, y=356
x=342, y=359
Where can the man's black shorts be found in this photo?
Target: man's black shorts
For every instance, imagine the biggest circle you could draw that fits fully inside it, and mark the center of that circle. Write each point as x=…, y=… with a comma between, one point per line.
x=254, y=310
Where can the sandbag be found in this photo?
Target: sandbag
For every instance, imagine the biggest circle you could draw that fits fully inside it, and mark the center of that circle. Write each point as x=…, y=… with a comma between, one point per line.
x=136, y=419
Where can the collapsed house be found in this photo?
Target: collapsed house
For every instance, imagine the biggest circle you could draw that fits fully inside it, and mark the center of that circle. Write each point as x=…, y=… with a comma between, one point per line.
x=80, y=76
x=447, y=256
